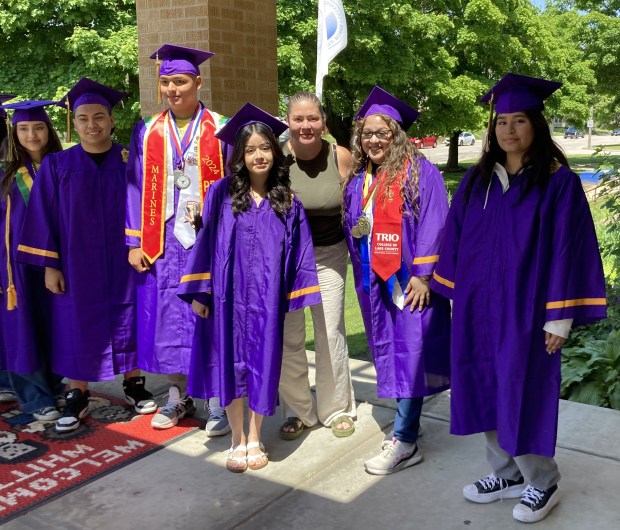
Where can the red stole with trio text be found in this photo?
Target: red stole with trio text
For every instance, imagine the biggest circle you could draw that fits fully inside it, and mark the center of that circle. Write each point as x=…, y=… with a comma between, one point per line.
x=386, y=245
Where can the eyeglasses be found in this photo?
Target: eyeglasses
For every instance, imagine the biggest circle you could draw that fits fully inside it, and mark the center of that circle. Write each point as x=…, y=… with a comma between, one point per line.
x=382, y=134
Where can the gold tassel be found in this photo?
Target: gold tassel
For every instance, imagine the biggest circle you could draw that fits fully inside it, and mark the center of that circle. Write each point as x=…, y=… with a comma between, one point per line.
x=157, y=68
x=68, y=120
x=11, y=298
x=11, y=293
x=12, y=150
x=487, y=142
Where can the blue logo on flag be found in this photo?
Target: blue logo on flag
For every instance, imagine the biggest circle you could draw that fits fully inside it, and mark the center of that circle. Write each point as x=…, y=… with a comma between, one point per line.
x=331, y=24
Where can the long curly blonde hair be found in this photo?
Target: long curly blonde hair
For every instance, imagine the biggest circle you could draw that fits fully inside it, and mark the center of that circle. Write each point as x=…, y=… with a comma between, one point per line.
x=400, y=153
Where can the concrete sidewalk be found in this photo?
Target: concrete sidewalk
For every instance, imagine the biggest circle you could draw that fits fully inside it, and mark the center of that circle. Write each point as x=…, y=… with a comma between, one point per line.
x=318, y=482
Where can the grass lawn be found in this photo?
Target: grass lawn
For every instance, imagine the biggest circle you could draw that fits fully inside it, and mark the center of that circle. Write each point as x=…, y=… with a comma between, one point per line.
x=356, y=336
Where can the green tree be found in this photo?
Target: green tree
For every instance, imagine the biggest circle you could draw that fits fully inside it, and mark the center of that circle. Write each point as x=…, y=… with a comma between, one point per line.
x=440, y=56
x=48, y=46
x=595, y=26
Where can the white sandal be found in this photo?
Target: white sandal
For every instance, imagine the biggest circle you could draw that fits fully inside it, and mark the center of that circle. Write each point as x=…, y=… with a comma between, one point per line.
x=251, y=459
x=237, y=464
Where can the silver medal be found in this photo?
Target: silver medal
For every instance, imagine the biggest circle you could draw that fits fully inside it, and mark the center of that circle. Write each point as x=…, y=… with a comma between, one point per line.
x=181, y=180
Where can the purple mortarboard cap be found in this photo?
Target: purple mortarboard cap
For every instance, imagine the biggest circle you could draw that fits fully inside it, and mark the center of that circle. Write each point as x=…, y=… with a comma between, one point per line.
x=516, y=93
x=180, y=60
x=87, y=91
x=4, y=98
x=249, y=114
x=31, y=110
x=380, y=101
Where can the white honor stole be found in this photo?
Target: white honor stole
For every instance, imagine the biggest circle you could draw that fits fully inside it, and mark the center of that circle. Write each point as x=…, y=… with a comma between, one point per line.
x=183, y=230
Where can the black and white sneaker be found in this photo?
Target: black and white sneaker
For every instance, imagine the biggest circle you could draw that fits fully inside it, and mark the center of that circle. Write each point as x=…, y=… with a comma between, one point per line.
x=75, y=409
x=492, y=488
x=536, y=504
x=138, y=396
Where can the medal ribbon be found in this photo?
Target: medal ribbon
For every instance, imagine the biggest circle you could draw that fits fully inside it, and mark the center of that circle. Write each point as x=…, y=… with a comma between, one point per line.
x=369, y=188
x=181, y=146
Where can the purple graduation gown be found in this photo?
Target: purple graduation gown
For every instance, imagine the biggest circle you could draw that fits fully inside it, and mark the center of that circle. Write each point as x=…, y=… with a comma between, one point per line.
x=75, y=223
x=511, y=267
x=256, y=266
x=165, y=324
x=25, y=330
x=410, y=350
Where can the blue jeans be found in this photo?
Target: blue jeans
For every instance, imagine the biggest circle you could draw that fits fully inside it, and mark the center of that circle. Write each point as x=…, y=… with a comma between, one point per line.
x=37, y=390
x=407, y=420
x=5, y=382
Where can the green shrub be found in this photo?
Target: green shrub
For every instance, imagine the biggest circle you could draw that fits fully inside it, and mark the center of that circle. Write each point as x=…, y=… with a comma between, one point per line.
x=590, y=373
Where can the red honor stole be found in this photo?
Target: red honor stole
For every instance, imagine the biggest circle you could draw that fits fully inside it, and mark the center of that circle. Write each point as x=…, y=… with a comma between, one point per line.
x=155, y=176
x=386, y=245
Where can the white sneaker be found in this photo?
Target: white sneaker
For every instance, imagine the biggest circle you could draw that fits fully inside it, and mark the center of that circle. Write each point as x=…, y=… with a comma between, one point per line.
x=395, y=457
x=536, y=504
x=46, y=414
x=7, y=395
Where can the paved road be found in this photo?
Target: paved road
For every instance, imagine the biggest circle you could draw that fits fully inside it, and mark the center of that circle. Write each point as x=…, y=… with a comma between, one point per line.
x=578, y=146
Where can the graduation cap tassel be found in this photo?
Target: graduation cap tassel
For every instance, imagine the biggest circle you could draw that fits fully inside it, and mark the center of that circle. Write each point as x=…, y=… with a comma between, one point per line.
x=68, y=120
x=12, y=154
x=487, y=143
x=157, y=68
x=11, y=293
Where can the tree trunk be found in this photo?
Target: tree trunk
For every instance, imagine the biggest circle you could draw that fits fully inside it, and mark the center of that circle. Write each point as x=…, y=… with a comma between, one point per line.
x=453, y=153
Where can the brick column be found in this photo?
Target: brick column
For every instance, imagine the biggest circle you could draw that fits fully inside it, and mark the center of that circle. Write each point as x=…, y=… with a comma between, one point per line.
x=241, y=33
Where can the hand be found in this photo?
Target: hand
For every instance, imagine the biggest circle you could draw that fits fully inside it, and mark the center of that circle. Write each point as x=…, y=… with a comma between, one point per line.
x=137, y=260
x=418, y=293
x=200, y=309
x=553, y=342
x=54, y=280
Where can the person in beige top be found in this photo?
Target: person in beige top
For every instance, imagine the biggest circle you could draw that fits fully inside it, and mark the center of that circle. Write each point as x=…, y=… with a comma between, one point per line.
x=316, y=174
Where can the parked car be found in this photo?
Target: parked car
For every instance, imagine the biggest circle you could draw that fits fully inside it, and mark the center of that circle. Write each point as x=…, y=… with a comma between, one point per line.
x=615, y=132
x=571, y=132
x=465, y=138
x=426, y=141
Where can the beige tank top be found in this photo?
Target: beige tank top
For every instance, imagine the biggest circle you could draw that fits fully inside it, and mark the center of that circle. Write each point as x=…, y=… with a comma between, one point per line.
x=317, y=184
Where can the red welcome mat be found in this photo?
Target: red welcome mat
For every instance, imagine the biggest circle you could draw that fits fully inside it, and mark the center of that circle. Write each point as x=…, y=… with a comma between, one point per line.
x=37, y=464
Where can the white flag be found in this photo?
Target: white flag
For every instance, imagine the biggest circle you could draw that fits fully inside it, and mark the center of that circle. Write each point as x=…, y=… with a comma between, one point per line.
x=332, y=38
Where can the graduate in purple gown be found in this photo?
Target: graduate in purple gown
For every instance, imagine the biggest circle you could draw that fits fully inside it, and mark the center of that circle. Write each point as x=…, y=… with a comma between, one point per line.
x=395, y=204
x=24, y=303
x=174, y=158
x=520, y=261
x=74, y=229
x=253, y=261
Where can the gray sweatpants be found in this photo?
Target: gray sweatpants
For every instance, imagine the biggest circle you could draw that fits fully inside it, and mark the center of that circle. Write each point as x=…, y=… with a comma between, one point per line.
x=539, y=471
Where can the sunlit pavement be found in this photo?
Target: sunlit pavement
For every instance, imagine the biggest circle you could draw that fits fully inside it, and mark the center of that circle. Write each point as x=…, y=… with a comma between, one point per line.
x=318, y=481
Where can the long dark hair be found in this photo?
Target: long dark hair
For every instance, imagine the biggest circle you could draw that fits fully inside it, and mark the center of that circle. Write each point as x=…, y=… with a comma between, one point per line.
x=21, y=156
x=278, y=181
x=543, y=154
